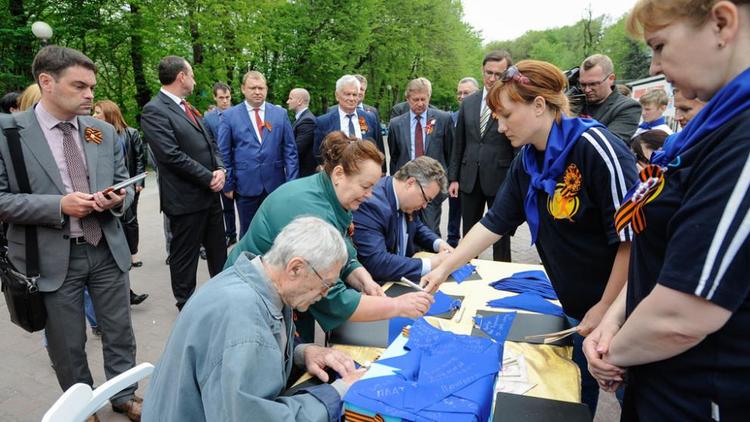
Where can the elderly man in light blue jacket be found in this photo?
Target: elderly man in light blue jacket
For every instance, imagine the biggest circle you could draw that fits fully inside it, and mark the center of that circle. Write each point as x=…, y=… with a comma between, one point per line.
x=231, y=350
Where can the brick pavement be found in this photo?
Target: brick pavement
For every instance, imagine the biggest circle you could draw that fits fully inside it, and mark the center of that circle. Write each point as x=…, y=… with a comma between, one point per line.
x=28, y=386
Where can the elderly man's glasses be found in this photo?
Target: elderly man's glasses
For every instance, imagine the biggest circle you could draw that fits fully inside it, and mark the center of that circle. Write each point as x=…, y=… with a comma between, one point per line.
x=326, y=286
x=592, y=85
x=421, y=189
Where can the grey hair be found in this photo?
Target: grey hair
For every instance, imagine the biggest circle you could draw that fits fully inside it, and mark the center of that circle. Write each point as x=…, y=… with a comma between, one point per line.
x=418, y=85
x=311, y=239
x=471, y=80
x=425, y=170
x=347, y=80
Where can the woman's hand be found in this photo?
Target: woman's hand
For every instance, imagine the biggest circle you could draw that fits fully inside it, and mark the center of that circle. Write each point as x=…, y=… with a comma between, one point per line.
x=431, y=281
x=595, y=347
x=414, y=305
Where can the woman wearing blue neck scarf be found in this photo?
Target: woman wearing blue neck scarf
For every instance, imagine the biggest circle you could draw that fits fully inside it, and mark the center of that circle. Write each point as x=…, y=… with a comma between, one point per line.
x=681, y=328
x=567, y=181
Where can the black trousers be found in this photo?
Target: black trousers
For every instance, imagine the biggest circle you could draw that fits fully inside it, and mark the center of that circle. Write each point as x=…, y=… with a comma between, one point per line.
x=189, y=231
x=472, y=210
x=130, y=225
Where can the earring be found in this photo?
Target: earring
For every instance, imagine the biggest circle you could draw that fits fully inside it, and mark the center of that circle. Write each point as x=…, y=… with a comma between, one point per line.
x=721, y=44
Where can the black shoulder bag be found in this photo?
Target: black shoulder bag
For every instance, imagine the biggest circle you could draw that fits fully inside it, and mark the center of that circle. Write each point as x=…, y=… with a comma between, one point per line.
x=22, y=296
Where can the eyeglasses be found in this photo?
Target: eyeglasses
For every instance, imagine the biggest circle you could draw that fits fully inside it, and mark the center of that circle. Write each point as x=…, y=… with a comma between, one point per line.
x=592, y=85
x=326, y=286
x=421, y=189
x=515, y=75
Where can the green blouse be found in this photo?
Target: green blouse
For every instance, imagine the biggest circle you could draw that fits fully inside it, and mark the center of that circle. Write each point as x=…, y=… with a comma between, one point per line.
x=308, y=196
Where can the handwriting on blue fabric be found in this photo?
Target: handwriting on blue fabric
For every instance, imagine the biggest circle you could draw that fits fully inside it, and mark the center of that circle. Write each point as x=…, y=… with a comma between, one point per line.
x=442, y=377
x=496, y=326
x=460, y=274
x=528, y=302
x=534, y=281
x=443, y=304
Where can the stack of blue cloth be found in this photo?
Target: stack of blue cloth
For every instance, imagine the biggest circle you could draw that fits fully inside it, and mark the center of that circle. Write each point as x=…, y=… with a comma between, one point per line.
x=442, y=377
x=527, y=282
x=528, y=302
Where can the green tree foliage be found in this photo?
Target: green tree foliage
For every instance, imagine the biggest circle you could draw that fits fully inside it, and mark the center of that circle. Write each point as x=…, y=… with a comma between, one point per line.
x=567, y=46
x=295, y=43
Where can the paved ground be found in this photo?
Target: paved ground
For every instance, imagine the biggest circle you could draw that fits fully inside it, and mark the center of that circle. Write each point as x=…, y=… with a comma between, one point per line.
x=28, y=386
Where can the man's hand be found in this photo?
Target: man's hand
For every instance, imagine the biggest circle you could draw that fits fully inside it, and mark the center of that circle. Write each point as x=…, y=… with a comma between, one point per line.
x=360, y=279
x=217, y=182
x=443, y=246
x=77, y=204
x=414, y=305
x=317, y=359
x=138, y=188
x=431, y=281
x=438, y=258
x=104, y=202
x=353, y=377
x=592, y=318
x=229, y=194
x=453, y=190
x=595, y=347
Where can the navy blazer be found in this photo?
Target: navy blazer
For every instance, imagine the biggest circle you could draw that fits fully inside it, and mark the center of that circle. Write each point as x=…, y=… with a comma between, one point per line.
x=330, y=122
x=377, y=235
x=211, y=121
x=254, y=167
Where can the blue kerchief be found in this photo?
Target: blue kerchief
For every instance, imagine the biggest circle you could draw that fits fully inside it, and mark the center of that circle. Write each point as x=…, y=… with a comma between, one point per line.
x=652, y=124
x=534, y=281
x=562, y=138
x=443, y=377
x=443, y=304
x=527, y=302
x=460, y=274
x=496, y=326
x=728, y=102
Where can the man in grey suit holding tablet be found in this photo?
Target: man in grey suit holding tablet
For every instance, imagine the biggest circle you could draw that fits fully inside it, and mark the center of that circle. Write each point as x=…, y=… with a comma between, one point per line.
x=70, y=160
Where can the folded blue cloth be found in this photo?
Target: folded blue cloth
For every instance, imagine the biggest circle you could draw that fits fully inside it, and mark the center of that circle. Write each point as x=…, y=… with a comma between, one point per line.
x=460, y=274
x=534, y=281
x=442, y=377
x=496, y=326
x=528, y=302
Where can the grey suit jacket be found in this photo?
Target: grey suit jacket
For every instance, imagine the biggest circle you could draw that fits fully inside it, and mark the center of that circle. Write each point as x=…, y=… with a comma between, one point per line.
x=106, y=166
x=439, y=142
x=475, y=157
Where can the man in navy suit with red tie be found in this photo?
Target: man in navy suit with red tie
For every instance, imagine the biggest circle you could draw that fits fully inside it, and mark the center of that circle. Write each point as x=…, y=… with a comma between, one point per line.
x=258, y=147
x=348, y=118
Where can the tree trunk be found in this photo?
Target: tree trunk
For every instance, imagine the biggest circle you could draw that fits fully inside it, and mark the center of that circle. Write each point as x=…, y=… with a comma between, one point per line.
x=142, y=92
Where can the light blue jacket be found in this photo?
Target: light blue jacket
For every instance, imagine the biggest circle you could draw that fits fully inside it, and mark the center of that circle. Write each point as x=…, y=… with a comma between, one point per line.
x=222, y=361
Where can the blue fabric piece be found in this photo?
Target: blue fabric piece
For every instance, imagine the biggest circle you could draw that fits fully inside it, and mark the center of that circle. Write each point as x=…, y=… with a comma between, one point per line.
x=443, y=303
x=527, y=281
x=650, y=125
x=528, y=302
x=460, y=274
x=728, y=102
x=561, y=140
x=454, y=380
x=496, y=326
x=395, y=325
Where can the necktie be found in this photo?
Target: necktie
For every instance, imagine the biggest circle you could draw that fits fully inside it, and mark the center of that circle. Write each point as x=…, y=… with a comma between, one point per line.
x=402, y=231
x=352, y=133
x=258, y=123
x=188, y=112
x=484, y=119
x=92, y=232
x=418, y=138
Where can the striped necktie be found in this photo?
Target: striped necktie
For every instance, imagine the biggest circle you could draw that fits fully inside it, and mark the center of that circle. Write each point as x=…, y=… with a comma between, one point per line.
x=484, y=119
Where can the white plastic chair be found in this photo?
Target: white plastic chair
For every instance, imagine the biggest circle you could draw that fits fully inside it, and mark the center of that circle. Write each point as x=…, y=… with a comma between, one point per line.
x=79, y=402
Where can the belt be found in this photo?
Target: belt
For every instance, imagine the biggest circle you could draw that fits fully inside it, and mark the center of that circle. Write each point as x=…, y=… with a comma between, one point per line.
x=80, y=240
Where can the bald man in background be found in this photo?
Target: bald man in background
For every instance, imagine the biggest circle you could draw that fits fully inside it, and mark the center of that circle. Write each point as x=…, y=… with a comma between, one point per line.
x=304, y=129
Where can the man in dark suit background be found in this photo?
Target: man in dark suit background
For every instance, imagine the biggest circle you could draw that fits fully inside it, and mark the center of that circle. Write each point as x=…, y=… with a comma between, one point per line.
x=422, y=132
x=481, y=156
x=70, y=158
x=258, y=147
x=191, y=175
x=466, y=87
x=386, y=231
x=348, y=119
x=223, y=99
x=304, y=130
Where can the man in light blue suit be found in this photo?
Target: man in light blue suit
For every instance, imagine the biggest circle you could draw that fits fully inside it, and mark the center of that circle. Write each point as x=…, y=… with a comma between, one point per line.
x=347, y=118
x=258, y=147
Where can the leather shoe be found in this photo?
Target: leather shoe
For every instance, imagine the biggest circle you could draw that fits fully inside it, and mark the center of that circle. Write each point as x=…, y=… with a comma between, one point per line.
x=131, y=407
x=137, y=299
x=137, y=264
x=93, y=418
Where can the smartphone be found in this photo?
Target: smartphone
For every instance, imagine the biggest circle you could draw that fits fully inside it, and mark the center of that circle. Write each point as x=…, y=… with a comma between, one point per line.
x=125, y=183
